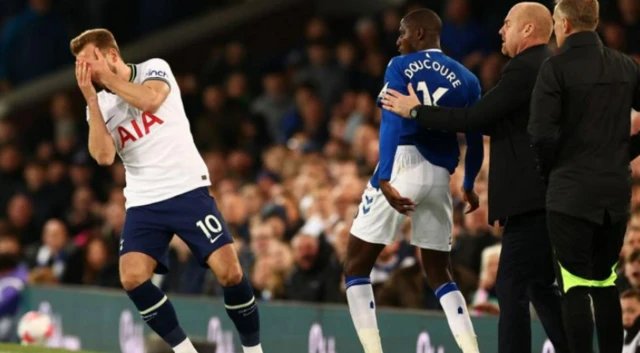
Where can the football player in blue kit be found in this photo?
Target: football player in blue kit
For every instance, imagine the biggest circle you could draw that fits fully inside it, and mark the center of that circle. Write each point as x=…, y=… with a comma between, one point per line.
x=412, y=180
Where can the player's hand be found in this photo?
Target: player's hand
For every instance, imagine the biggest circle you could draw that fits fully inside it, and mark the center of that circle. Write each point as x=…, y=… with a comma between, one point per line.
x=398, y=103
x=399, y=203
x=488, y=307
x=99, y=66
x=83, y=76
x=472, y=199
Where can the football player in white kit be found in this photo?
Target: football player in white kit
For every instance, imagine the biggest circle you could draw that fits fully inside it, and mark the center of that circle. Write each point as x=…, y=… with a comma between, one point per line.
x=140, y=115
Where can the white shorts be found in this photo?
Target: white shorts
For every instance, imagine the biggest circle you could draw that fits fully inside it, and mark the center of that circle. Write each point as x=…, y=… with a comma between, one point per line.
x=428, y=186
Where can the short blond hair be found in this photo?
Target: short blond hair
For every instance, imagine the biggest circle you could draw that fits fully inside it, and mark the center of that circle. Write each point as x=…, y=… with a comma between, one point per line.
x=583, y=14
x=102, y=38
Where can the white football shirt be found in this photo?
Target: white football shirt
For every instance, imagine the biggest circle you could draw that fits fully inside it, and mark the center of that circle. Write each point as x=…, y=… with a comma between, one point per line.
x=157, y=150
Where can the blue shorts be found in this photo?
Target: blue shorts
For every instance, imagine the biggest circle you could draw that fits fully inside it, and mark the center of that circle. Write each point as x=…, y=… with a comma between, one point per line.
x=193, y=216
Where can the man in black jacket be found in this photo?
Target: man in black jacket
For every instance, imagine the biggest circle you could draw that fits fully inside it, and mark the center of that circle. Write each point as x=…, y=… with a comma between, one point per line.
x=580, y=123
x=516, y=193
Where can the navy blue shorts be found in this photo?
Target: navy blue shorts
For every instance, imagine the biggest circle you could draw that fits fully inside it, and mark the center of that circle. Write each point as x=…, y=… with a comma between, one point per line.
x=193, y=216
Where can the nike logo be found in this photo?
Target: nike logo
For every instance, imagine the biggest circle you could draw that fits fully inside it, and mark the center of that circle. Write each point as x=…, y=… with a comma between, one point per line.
x=216, y=238
x=108, y=120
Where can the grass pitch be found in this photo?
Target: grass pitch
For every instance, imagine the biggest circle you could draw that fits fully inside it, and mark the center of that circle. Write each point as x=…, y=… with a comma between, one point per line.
x=15, y=348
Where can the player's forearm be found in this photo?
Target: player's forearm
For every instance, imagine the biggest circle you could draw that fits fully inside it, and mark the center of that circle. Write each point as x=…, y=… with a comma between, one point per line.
x=139, y=96
x=473, y=159
x=101, y=145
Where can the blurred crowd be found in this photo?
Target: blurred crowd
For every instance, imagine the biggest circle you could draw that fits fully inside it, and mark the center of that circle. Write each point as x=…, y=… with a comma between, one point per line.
x=35, y=34
x=290, y=144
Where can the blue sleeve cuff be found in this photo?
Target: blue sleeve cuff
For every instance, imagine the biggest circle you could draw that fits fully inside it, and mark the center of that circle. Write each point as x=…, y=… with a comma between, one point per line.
x=468, y=184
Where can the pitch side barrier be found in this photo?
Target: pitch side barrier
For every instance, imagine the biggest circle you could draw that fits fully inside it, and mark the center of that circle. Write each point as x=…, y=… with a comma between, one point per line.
x=106, y=321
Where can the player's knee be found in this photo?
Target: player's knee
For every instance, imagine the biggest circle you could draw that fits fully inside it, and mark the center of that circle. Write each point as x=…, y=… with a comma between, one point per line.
x=354, y=266
x=231, y=277
x=132, y=279
x=437, y=277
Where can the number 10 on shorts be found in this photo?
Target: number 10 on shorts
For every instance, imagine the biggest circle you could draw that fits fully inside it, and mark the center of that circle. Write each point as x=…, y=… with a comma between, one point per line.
x=210, y=225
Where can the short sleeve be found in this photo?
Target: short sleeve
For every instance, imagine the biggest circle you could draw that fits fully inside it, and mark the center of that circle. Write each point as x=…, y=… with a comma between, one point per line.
x=157, y=69
x=475, y=91
x=393, y=79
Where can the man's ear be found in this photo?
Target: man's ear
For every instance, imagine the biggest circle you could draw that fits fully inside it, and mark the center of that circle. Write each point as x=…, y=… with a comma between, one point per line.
x=528, y=29
x=567, y=26
x=420, y=34
x=112, y=55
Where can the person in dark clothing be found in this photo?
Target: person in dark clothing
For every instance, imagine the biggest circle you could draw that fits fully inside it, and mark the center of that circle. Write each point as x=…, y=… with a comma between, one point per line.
x=13, y=280
x=630, y=302
x=580, y=127
x=317, y=273
x=93, y=266
x=516, y=193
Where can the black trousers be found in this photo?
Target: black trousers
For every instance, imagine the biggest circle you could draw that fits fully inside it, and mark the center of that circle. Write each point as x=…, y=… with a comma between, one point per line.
x=586, y=255
x=526, y=274
x=585, y=250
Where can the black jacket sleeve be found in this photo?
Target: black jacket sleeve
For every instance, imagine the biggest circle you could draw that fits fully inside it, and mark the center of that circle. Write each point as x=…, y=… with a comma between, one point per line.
x=512, y=91
x=544, y=123
x=634, y=147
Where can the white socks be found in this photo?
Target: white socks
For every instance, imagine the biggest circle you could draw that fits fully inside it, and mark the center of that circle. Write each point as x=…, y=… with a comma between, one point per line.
x=185, y=347
x=363, y=313
x=455, y=308
x=254, y=349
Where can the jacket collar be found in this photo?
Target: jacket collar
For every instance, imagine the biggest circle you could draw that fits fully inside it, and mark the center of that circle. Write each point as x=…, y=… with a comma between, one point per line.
x=581, y=39
x=532, y=49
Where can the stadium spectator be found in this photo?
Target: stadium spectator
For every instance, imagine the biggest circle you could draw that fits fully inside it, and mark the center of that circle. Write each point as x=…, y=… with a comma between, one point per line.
x=274, y=103
x=38, y=190
x=407, y=288
x=316, y=274
x=388, y=261
x=630, y=302
x=233, y=58
x=20, y=216
x=10, y=174
x=322, y=73
x=33, y=43
x=485, y=300
x=55, y=249
x=13, y=277
x=94, y=265
x=463, y=37
x=631, y=279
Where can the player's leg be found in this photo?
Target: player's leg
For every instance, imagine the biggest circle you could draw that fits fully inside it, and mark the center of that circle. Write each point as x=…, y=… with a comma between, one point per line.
x=200, y=224
x=238, y=297
x=604, y=293
x=359, y=261
x=374, y=226
x=142, y=251
x=432, y=226
x=572, y=240
x=436, y=265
